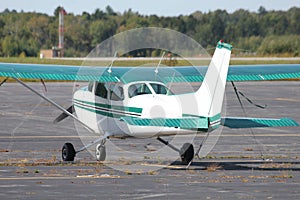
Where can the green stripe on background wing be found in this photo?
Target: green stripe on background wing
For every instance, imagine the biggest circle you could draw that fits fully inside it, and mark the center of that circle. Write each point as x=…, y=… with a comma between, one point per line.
x=131, y=74
x=245, y=73
x=100, y=73
x=263, y=72
x=56, y=72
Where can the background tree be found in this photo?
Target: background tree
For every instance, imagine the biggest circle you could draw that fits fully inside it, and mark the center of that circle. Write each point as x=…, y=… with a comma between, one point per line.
x=262, y=32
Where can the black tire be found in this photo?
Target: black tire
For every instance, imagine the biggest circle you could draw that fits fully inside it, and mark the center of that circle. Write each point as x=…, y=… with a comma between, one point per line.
x=187, y=153
x=68, y=152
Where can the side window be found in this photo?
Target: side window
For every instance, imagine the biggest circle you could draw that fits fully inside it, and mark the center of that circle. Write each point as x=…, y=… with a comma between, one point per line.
x=101, y=90
x=116, y=92
x=138, y=89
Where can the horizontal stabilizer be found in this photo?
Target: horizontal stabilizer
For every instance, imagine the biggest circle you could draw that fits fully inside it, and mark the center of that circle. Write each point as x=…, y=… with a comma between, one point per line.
x=233, y=122
x=184, y=123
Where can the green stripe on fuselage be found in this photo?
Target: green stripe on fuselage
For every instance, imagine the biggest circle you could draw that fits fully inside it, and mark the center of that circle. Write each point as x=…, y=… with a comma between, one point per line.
x=119, y=108
x=104, y=113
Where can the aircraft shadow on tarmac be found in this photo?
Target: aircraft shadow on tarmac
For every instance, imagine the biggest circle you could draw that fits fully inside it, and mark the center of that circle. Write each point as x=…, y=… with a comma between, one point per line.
x=240, y=165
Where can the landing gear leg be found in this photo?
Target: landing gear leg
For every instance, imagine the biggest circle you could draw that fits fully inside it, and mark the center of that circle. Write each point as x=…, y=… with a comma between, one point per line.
x=101, y=151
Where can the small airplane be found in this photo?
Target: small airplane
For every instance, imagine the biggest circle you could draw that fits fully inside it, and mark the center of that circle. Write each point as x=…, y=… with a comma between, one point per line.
x=119, y=104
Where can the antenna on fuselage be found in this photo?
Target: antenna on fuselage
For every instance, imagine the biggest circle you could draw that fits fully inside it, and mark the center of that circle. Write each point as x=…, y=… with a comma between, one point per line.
x=156, y=69
x=112, y=62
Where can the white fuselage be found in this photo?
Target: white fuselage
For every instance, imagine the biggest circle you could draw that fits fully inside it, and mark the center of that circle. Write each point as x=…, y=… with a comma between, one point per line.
x=105, y=107
x=102, y=110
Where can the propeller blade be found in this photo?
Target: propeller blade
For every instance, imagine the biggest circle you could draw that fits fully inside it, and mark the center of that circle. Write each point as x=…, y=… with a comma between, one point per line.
x=62, y=116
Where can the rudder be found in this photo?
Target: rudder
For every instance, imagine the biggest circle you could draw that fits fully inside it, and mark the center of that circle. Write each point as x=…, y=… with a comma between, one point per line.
x=211, y=93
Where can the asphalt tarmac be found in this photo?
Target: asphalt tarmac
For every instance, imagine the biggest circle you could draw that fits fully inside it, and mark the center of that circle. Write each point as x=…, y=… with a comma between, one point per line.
x=261, y=163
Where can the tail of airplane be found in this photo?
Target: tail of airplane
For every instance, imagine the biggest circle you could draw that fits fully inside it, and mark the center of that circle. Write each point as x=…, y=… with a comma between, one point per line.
x=201, y=109
x=211, y=93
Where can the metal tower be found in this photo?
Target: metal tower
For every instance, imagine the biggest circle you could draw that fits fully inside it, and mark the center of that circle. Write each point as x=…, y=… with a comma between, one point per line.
x=62, y=12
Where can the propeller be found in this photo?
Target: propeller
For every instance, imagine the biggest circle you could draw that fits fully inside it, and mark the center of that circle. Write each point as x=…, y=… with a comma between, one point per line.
x=62, y=116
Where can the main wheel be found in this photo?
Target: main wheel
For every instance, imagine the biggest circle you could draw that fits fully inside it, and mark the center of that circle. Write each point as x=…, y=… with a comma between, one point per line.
x=100, y=152
x=68, y=152
x=187, y=153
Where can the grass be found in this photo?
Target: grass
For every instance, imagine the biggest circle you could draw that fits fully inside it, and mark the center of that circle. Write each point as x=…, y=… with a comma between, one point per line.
x=34, y=60
x=213, y=167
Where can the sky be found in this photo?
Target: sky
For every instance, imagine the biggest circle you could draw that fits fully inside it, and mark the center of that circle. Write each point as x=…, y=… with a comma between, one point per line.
x=149, y=7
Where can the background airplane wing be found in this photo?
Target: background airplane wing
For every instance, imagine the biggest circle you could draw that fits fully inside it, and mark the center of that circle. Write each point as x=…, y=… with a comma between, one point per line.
x=56, y=72
x=244, y=73
x=263, y=72
x=101, y=74
x=130, y=74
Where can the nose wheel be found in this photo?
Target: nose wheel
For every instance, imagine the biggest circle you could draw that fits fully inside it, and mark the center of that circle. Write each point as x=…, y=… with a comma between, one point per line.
x=68, y=152
x=100, y=152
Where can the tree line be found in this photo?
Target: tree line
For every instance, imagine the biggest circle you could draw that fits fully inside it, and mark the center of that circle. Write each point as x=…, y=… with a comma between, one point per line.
x=254, y=33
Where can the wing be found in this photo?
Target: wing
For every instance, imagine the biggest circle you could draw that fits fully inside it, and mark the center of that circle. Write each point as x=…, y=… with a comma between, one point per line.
x=130, y=74
x=56, y=72
x=243, y=73
x=101, y=74
x=263, y=72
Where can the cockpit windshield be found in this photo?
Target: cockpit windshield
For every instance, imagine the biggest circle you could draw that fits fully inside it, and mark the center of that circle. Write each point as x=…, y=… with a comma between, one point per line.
x=147, y=88
x=138, y=89
x=160, y=89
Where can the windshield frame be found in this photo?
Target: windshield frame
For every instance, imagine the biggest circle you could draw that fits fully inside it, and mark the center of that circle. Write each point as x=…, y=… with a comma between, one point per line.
x=150, y=86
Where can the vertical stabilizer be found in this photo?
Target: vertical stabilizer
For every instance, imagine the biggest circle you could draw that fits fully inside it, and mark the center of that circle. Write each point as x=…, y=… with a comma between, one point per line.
x=211, y=93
